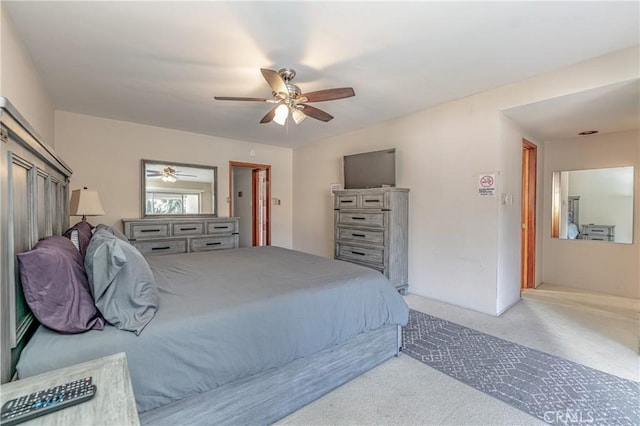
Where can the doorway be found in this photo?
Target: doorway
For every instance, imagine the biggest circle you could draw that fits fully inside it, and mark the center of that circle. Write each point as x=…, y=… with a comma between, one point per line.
x=249, y=195
x=528, y=213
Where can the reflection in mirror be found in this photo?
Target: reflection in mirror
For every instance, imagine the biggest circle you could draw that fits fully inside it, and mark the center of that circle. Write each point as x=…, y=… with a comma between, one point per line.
x=178, y=189
x=594, y=204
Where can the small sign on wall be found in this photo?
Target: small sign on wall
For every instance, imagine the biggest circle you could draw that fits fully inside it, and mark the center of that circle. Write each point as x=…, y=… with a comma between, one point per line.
x=487, y=184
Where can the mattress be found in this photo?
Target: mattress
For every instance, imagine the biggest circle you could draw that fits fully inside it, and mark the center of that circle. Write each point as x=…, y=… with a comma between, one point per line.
x=229, y=314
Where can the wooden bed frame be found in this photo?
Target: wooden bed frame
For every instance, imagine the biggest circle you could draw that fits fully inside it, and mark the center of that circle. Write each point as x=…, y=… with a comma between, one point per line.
x=34, y=195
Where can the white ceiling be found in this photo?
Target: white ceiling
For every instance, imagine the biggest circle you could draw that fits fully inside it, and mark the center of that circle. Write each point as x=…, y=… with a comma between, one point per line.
x=612, y=108
x=161, y=63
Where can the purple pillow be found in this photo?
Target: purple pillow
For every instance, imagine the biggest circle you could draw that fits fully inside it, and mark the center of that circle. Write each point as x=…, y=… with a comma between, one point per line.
x=81, y=234
x=55, y=286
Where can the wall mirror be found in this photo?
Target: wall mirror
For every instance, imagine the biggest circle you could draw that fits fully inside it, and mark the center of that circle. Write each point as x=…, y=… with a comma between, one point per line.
x=178, y=189
x=594, y=204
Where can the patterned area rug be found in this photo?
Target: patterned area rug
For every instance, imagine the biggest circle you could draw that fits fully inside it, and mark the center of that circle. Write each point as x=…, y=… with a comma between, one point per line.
x=550, y=388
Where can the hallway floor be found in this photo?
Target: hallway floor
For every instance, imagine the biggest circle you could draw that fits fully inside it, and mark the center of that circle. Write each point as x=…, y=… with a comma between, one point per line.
x=586, y=300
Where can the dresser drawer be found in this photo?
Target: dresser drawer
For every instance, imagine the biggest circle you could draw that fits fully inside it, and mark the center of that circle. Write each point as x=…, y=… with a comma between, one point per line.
x=365, y=236
x=185, y=228
x=374, y=266
x=346, y=201
x=360, y=254
x=598, y=229
x=221, y=227
x=212, y=243
x=597, y=237
x=149, y=230
x=155, y=247
x=361, y=218
x=372, y=201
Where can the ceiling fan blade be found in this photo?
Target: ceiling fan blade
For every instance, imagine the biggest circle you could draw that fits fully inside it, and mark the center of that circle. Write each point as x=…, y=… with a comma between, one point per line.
x=233, y=98
x=269, y=116
x=329, y=94
x=151, y=173
x=182, y=174
x=275, y=81
x=316, y=113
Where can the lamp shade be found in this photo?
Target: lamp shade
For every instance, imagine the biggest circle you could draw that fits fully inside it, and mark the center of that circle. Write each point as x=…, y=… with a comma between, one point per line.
x=85, y=202
x=282, y=112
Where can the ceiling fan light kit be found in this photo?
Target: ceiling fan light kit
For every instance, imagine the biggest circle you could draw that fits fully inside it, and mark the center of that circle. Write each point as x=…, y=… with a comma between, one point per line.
x=281, y=114
x=169, y=175
x=291, y=100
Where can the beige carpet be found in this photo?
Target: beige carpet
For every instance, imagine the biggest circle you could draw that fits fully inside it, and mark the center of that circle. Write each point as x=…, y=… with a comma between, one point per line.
x=403, y=391
x=586, y=300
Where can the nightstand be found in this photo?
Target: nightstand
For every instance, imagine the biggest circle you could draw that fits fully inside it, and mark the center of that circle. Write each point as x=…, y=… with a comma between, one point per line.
x=113, y=403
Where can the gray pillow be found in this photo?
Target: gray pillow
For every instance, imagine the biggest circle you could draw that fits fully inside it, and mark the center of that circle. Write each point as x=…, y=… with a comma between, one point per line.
x=121, y=282
x=55, y=286
x=113, y=231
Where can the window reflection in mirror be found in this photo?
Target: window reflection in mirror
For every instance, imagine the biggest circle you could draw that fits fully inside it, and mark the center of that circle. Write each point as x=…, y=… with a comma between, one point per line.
x=178, y=189
x=594, y=204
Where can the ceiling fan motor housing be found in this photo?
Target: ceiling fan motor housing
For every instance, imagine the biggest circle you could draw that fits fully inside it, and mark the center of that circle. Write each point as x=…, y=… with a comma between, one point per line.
x=287, y=74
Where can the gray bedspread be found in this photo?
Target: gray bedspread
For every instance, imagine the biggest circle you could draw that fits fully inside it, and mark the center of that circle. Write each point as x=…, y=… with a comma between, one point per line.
x=228, y=314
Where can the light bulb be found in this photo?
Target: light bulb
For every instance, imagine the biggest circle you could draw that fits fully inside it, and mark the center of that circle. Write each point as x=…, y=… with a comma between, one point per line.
x=281, y=114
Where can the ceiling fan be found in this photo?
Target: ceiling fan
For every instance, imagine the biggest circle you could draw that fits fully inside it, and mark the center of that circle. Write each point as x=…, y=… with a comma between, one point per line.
x=168, y=174
x=290, y=99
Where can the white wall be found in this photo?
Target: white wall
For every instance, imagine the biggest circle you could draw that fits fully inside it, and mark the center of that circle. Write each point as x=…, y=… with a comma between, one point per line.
x=510, y=212
x=105, y=155
x=593, y=265
x=457, y=240
x=21, y=83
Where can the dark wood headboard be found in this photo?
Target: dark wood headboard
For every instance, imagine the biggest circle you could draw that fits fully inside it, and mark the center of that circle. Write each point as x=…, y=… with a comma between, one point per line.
x=34, y=194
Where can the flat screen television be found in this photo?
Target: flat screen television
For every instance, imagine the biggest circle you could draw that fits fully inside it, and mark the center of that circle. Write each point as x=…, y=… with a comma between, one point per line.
x=370, y=169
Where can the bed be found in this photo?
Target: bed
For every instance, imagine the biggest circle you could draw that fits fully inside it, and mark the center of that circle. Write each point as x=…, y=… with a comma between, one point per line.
x=240, y=336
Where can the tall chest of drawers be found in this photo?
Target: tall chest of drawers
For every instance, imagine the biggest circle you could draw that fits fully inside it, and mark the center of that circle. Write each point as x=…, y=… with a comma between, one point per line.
x=371, y=229
x=182, y=235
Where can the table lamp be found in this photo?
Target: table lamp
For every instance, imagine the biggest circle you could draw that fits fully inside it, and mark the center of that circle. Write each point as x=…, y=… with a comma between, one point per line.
x=85, y=202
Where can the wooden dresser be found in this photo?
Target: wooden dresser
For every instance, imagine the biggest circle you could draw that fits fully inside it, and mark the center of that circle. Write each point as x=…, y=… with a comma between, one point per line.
x=598, y=232
x=182, y=235
x=371, y=229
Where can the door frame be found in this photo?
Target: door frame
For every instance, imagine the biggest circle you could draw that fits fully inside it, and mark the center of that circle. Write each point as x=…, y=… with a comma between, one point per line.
x=254, y=215
x=528, y=215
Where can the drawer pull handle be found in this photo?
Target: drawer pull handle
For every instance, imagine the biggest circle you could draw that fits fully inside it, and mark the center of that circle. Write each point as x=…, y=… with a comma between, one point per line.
x=214, y=244
x=359, y=253
x=161, y=248
x=597, y=230
x=188, y=229
x=150, y=230
x=358, y=235
x=221, y=227
x=371, y=201
x=358, y=218
x=346, y=201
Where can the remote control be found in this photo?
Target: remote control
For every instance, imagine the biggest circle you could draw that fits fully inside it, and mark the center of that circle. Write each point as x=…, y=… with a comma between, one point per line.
x=46, y=401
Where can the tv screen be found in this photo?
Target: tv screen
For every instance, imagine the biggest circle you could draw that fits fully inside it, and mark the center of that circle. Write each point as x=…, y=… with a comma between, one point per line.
x=370, y=169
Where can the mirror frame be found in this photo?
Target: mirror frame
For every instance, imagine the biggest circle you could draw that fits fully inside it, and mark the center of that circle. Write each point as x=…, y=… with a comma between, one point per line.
x=143, y=189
